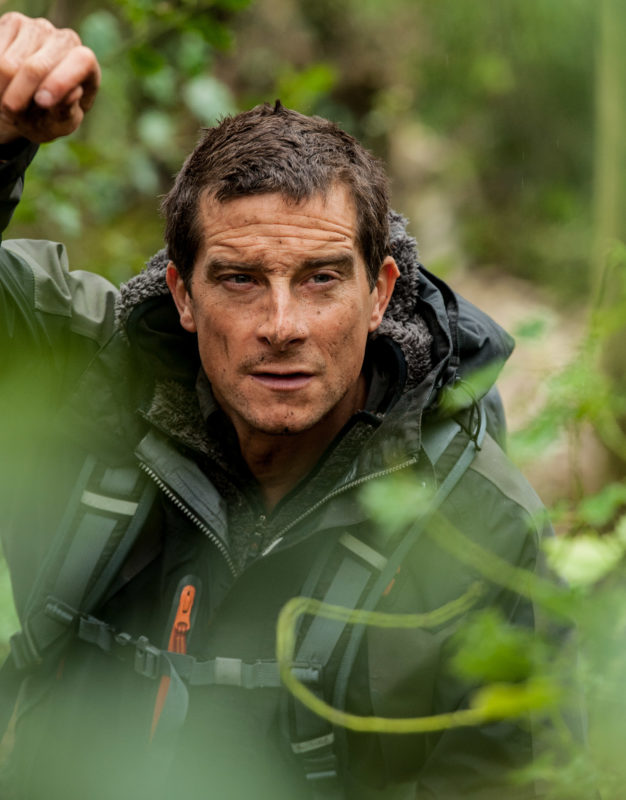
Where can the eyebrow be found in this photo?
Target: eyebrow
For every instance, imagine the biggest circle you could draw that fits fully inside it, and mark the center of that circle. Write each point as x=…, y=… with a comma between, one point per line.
x=215, y=264
x=342, y=261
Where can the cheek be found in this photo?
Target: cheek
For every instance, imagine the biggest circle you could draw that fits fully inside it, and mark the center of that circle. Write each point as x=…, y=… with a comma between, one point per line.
x=215, y=341
x=346, y=337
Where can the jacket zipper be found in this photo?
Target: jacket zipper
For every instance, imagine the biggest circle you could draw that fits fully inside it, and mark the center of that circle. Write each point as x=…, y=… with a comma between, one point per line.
x=351, y=485
x=213, y=537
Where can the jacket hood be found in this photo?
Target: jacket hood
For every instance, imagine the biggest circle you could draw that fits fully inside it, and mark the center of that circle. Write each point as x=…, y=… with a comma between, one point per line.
x=441, y=337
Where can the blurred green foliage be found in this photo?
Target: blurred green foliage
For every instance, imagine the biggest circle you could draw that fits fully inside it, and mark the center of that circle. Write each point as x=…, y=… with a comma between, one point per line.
x=505, y=91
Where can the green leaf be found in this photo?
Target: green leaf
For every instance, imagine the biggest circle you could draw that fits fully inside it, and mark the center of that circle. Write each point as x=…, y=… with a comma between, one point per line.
x=394, y=502
x=512, y=700
x=492, y=650
x=601, y=508
x=302, y=90
x=156, y=130
x=461, y=394
x=584, y=560
x=145, y=60
x=67, y=217
x=193, y=54
x=531, y=328
x=101, y=32
x=161, y=86
x=208, y=99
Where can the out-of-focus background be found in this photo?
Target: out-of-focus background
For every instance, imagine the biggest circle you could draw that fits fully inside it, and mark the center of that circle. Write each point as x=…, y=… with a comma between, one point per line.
x=502, y=126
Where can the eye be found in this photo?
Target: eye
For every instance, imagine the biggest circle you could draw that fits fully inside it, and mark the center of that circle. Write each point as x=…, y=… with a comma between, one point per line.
x=238, y=279
x=322, y=278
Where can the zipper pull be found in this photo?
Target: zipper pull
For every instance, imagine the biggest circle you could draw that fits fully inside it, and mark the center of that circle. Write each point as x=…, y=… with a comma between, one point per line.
x=181, y=626
x=182, y=620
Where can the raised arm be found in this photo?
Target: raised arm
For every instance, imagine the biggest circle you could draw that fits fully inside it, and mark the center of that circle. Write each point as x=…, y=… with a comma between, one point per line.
x=47, y=82
x=48, y=79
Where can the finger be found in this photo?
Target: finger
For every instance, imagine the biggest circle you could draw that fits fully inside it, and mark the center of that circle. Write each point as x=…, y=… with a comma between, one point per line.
x=36, y=67
x=79, y=68
x=74, y=96
x=90, y=87
x=9, y=26
x=65, y=120
x=31, y=35
x=43, y=125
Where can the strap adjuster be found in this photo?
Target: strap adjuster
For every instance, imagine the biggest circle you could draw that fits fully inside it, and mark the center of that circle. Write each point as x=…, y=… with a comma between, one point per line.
x=60, y=611
x=23, y=652
x=147, y=658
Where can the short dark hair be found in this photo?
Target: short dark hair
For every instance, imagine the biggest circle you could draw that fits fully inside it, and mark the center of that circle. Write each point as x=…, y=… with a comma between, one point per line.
x=274, y=149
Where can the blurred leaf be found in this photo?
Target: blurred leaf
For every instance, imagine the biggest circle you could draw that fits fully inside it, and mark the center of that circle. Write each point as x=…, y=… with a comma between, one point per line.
x=462, y=393
x=146, y=60
x=156, y=130
x=302, y=89
x=532, y=328
x=68, y=218
x=492, y=72
x=584, y=559
x=513, y=700
x=101, y=32
x=208, y=99
x=489, y=649
x=600, y=509
x=192, y=54
x=162, y=86
x=143, y=173
x=215, y=33
x=394, y=502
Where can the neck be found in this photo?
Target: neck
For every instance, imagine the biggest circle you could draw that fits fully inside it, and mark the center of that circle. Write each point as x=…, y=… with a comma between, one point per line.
x=279, y=462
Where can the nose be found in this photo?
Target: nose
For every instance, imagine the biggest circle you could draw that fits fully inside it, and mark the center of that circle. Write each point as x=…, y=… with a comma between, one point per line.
x=283, y=320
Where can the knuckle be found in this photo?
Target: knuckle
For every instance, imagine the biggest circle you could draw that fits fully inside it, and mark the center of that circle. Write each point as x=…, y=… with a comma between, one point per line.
x=86, y=55
x=69, y=37
x=12, y=17
x=8, y=65
x=35, y=68
x=44, y=24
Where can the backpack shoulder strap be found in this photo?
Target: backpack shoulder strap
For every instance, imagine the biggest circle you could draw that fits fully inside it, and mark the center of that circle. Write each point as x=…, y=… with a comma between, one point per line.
x=104, y=515
x=361, y=576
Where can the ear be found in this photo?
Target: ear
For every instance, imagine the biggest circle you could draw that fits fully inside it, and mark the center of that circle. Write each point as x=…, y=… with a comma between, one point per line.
x=382, y=291
x=181, y=297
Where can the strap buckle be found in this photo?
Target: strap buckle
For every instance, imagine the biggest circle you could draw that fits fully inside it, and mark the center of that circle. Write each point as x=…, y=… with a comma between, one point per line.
x=60, y=611
x=28, y=644
x=147, y=658
x=318, y=757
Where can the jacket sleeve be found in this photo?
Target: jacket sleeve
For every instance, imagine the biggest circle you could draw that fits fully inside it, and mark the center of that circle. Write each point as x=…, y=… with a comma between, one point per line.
x=43, y=306
x=53, y=322
x=14, y=159
x=410, y=670
x=497, y=509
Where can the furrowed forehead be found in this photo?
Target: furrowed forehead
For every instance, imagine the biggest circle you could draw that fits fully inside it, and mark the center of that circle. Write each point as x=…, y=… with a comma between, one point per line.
x=259, y=228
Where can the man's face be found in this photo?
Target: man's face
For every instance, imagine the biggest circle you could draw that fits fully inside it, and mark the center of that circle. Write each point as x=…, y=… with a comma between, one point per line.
x=282, y=308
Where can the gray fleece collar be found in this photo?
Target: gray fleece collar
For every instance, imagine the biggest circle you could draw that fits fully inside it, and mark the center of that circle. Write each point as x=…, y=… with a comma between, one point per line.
x=401, y=322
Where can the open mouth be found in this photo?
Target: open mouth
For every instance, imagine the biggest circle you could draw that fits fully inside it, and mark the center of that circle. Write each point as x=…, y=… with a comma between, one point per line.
x=283, y=381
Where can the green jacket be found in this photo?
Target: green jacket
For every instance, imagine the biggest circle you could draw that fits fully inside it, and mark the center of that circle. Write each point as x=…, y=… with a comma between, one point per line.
x=87, y=368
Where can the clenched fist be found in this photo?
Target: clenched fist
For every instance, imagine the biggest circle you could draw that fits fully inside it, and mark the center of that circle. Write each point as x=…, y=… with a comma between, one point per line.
x=48, y=79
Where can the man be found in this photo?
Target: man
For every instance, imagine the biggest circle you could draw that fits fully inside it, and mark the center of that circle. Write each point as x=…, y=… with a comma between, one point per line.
x=192, y=460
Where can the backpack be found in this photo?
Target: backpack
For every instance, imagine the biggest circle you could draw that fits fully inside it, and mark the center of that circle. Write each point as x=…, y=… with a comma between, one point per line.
x=103, y=519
